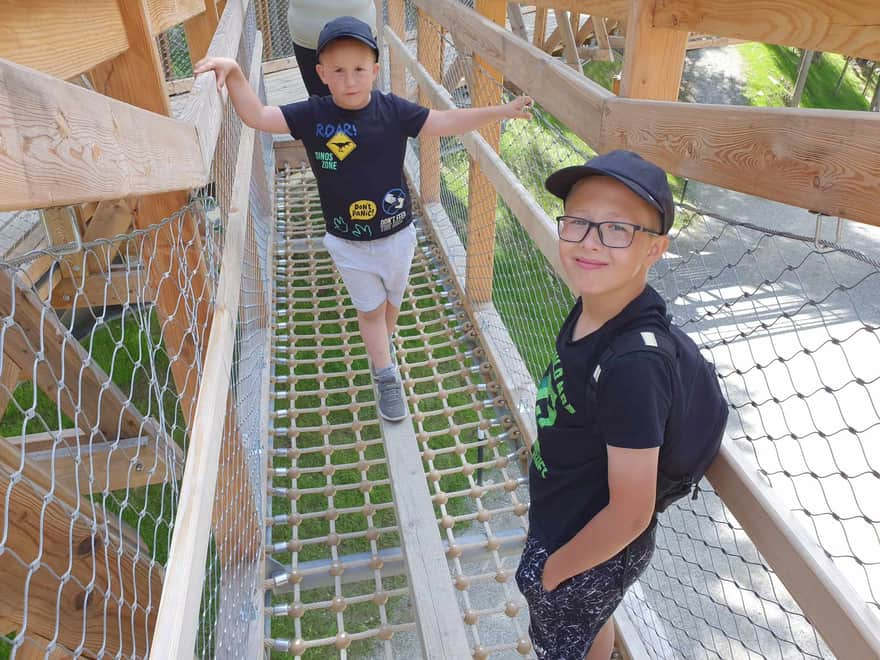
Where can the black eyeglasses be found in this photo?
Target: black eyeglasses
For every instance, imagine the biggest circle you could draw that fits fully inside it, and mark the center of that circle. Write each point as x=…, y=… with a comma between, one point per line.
x=613, y=234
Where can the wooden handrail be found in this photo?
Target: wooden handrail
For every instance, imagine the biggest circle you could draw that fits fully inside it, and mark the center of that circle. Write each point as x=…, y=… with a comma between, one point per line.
x=825, y=160
x=63, y=144
x=850, y=27
x=177, y=621
x=606, y=8
x=165, y=14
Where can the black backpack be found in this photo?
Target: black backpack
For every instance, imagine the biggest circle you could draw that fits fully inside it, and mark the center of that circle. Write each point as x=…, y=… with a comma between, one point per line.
x=698, y=415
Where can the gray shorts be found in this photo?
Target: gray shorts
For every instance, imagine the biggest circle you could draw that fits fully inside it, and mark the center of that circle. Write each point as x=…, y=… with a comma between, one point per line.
x=374, y=271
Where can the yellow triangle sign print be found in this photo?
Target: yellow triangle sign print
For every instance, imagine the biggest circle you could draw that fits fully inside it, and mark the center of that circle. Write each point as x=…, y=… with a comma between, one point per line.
x=341, y=145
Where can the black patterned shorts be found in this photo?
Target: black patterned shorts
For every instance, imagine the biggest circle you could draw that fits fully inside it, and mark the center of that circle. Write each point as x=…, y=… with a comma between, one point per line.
x=564, y=622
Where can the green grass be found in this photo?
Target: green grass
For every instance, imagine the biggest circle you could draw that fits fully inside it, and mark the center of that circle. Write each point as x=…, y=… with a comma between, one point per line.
x=771, y=73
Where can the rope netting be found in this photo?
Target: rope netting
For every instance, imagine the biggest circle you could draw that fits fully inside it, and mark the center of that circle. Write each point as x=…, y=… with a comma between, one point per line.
x=340, y=585
x=102, y=348
x=791, y=324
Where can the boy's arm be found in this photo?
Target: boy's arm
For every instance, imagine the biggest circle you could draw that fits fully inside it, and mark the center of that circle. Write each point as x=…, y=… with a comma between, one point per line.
x=459, y=121
x=246, y=103
x=632, y=486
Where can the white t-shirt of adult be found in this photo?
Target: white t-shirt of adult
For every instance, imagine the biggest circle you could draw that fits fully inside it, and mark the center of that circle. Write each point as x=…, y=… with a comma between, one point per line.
x=305, y=18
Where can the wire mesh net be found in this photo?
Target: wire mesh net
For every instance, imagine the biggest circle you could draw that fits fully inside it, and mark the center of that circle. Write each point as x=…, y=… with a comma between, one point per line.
x=102, y=347
x=792, y=329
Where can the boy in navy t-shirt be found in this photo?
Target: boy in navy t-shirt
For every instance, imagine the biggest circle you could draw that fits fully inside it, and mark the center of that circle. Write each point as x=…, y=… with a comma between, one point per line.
x=356, y=141
x=592, y=479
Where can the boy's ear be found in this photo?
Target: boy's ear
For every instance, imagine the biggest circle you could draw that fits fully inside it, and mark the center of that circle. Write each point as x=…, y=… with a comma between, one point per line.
x=320, y=69
x=659, y=245
x=375, y=70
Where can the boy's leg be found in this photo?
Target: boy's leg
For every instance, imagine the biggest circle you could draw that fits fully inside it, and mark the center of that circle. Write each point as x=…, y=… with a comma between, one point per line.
x=603, y=645
x=374, y=330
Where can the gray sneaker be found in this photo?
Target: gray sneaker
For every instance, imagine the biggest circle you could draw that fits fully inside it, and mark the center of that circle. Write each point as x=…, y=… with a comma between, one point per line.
x=391, y=403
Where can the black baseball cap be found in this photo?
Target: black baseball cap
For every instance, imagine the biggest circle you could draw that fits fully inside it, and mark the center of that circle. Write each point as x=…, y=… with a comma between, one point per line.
x=639, y=175
x=347, y=26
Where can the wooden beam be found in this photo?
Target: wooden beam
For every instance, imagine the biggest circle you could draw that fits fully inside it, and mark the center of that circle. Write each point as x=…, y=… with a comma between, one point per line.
x=849, y=27
x=540, y=29
x=107, y=566
x=63, y=144
x=397, y=22
x=66, y=373
x=58, y=37
x=179, y=607
x=200, y=30
x=112, y=465
x=825, y=160
x=607, y=8
x=515, y=17
x=846, y=623
x=541, y=76
x=654, y=59
x=119, y=286
x=165, y=14
x=569, y=45
x=430, y=48
x=482, y=199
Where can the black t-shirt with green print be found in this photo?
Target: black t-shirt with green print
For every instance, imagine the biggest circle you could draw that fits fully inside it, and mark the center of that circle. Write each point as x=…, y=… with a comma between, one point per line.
x=568, y=476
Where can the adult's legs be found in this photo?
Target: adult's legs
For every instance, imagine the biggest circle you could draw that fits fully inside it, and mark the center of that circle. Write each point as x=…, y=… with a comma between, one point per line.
x=307, y=59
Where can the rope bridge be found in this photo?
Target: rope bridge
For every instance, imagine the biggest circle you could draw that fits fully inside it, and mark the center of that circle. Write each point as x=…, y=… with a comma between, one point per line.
x=191, y=461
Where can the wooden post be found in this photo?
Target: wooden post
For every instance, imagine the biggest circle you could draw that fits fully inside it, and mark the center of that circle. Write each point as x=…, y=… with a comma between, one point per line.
x=569, y=45
x=431, y=57
x=654, y=58
x=540, y=27
x=482, y=200
x=803, y=73
x=517, y=24
x=397, y=22
x=200, y=30
x=136, y=77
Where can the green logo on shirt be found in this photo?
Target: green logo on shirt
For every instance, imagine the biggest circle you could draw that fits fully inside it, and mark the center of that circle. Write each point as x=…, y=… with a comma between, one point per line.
x=551, y=395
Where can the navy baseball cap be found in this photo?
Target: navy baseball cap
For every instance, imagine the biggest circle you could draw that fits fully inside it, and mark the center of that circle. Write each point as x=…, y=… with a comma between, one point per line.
x=639, y=175
x=347, y=27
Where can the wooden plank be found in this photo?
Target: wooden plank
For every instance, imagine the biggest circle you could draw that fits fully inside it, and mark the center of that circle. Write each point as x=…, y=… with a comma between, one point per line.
x=86, y=33
x=826, y=160
x=618, y=9
x=179, y=608
x=825, y=596
x=654, y=58
x=63, y=144
x=112, y=218
x=430, y=48
x=108, y=605
x=165, y=14
x=200, y=30
x=627, y=640
x=110, y=465
x=438, y=615
x=541, y=76
x=849, y=27
x=397, y=23
x=288, y=150
x=120, y=286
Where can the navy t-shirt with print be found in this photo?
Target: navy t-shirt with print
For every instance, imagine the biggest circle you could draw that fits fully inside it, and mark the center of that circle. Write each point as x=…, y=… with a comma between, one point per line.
x=357, y=157
x=568, y=475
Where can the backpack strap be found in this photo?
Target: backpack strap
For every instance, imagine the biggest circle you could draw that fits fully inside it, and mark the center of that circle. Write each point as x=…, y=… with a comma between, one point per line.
x=634, y=341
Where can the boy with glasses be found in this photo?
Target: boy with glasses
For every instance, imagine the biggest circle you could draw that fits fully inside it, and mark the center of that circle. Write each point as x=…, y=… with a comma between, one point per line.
x=593, y=475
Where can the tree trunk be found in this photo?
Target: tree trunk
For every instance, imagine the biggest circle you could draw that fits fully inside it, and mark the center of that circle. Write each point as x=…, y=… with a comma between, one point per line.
x=842, y=75
x=803, y=72
x=875, y=102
